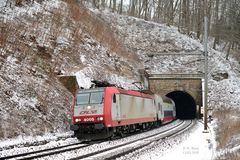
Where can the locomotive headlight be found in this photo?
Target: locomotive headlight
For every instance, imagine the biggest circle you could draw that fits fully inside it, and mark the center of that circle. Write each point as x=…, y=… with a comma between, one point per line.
x=88, y=107
x=99, y=118
x=77, y=120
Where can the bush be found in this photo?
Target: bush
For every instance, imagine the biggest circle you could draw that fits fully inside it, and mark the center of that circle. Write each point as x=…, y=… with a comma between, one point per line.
x=228, y=126
x=229, y=156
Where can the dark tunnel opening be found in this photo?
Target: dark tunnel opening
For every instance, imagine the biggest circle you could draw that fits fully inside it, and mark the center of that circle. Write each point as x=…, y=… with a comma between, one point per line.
x=185, y=104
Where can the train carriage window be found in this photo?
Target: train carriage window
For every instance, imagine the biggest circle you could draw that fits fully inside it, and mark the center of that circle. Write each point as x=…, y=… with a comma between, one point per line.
x=159, y=106
x=167, y=100
x=168, y=113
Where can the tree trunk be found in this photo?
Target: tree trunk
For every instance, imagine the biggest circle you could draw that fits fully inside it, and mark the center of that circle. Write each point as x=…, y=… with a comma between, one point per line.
x=199, y=19
x=132, y=8
x=18, y=3
x=180, y=16
x=159, y=9
x=121, y=7
x=216, y=30
x=170, y=10
x=145, y=10
x=95, y=4
x=114, y=6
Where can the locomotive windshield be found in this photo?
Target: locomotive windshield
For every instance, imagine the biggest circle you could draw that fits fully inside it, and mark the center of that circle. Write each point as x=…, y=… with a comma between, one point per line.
x=83, y=98
x=90, y=98
x=96, y=97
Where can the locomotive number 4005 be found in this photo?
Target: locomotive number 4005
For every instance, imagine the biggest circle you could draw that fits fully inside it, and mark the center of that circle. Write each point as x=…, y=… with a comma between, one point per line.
x=88, y=119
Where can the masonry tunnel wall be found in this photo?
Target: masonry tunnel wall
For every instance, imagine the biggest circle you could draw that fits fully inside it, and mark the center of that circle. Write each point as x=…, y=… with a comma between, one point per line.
x=186, y=93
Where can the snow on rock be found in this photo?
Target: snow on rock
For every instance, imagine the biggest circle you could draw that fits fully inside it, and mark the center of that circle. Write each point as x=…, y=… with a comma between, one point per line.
x=223, y=93
x=41, y=41
x=62, y=40
x=86, y=76
x=31, y=102
x=83, y=81
x=3, y=3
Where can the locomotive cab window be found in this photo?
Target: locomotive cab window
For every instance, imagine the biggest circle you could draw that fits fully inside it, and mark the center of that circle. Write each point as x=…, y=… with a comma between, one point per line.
x=83, y=98
x=90, y=98
x=96, y=98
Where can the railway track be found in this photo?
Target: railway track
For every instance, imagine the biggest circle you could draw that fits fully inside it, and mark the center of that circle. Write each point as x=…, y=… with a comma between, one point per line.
x=106, y=153
x=48, y=151
x=125, y=148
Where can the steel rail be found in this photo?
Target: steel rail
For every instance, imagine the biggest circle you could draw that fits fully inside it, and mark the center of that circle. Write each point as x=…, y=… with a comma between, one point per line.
x=43, y=150
x=148, y=142
x=50, y=149
x=125, y=144
x=60, y=149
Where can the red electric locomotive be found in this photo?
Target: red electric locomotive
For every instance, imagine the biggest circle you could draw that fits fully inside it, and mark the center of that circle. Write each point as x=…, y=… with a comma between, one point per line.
x=108, y=111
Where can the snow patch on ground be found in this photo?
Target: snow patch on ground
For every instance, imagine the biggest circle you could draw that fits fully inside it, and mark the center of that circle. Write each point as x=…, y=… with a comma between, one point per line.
x=191, y=145
x=31, y=140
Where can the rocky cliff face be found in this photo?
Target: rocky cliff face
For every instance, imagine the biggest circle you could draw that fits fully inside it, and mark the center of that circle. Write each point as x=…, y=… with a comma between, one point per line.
x=41, y=41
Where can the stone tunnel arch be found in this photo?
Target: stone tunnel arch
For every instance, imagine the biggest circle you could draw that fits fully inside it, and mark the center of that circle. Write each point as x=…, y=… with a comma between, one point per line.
x=185, y=104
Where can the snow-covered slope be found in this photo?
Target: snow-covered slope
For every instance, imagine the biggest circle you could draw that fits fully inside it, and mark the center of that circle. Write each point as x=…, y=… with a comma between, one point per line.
x=41, y=41
x=151, y=38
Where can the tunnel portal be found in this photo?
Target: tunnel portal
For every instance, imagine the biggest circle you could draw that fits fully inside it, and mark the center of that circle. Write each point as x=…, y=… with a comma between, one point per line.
x=185, y=104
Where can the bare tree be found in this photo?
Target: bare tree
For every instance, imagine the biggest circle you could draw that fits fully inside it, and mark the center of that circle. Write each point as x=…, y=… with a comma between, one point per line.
x=145, y=10
x=216, y=25
x=223, y=16
x=95, y=3
x=121, y=7
x=132, y=7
